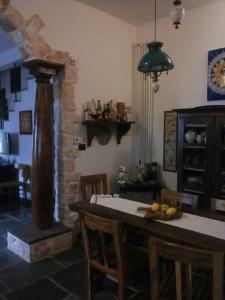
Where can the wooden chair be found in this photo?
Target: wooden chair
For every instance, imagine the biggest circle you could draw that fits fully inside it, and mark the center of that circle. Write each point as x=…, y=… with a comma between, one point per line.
x=25, y=181
x=111, y=259
x=9, y=187
x=195, y=287
x=177, y=196
x=93, y=184
x=12, y=188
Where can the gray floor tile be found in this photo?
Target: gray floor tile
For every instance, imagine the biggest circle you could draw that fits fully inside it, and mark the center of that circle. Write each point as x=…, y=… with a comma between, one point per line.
x=18, y=275
x=43, y=289
x=72, y=279
x=7, y=259
x=3, y=288
x=3, y=242
x=71, y=256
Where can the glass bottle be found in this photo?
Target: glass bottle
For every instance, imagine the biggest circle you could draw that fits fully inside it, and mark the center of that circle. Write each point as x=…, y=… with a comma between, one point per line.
x=93, y=106
x=99, y=109
x=87, y=111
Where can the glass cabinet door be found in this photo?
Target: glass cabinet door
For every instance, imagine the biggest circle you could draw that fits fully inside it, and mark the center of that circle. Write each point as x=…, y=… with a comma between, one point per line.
x=195, y=142
x=219, y=163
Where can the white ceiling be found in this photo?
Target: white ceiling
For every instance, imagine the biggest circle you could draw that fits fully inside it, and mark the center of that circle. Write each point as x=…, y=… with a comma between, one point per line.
x=138, y=12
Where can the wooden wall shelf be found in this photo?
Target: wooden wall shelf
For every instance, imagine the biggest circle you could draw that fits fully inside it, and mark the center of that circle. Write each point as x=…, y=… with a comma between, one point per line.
x=93, y=128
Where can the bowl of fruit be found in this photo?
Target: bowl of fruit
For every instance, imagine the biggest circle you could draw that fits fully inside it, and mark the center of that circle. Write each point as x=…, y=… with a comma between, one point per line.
x=162, y=210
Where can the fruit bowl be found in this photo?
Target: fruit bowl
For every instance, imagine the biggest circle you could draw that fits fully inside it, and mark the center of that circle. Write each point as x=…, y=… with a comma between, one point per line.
x=166, y=211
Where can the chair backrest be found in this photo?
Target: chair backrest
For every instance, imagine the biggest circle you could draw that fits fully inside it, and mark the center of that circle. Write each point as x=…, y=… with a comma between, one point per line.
x=177, y=196
x=99, y=255
x=217, y=205
x=93, y=184
x=26, y=173
x=188, y=256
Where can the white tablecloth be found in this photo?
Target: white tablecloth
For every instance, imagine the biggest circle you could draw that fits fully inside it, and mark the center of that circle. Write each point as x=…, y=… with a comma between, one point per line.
x=188, y=221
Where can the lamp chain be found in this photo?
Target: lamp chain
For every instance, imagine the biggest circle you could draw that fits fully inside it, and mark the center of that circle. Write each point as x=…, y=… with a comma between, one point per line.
x=155, y=22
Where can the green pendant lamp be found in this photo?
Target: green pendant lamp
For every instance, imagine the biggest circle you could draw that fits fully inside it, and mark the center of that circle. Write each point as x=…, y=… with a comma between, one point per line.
x=155, y=61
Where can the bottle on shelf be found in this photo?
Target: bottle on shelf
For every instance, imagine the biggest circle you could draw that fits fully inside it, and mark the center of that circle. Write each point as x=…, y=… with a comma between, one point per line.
x=112, y=111
x=106, y=112
x=99, y=109
x=93, y=108
x=87, y=111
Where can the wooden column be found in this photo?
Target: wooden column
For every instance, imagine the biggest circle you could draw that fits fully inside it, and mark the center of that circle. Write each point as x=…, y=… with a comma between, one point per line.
x=43, y=147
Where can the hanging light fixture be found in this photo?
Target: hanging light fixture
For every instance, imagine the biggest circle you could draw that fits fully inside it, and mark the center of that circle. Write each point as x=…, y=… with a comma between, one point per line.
x=176, y=13
x=155, y=61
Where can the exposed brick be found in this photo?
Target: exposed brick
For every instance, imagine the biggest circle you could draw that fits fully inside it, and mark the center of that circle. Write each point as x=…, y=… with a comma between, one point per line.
x=34, y=24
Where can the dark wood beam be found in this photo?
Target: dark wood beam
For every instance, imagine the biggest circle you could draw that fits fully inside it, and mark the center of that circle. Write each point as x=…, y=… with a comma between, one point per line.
x=43, y=144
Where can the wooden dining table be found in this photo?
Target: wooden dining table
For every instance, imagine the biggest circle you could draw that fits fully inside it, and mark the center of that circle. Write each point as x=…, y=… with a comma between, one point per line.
x=162, y=230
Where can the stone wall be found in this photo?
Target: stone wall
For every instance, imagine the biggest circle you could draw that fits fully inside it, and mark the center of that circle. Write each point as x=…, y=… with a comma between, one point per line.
x=25, y=34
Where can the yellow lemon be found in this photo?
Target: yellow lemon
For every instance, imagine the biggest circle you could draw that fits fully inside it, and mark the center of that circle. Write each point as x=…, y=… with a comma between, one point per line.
x=171, y=211
x=164, y=207
x=155, y=207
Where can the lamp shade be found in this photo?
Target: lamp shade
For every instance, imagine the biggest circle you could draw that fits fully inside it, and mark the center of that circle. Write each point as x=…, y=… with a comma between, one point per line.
x=155, y=60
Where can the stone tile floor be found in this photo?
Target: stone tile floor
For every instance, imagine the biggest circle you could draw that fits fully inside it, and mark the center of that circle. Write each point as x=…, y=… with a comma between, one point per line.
x=61, y=277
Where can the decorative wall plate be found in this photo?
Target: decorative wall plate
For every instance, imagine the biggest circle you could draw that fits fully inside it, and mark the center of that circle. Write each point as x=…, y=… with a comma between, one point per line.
x=104, y=135
x=216, y=75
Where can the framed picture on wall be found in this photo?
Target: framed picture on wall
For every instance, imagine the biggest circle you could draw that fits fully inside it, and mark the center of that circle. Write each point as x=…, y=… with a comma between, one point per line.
x=25, y=122
x=216, y=75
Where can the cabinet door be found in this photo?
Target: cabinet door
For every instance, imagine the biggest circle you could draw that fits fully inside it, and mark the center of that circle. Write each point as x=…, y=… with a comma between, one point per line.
x=195, y=153
x=219, y=162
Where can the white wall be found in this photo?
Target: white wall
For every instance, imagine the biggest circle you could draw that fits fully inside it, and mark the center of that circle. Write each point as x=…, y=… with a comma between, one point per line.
x=185, y=86
x=25, y=141
x=21, y=145
x=101, y=46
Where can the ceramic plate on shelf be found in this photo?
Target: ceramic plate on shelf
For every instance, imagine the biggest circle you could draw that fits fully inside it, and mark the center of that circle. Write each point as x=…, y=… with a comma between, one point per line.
x=104, y=135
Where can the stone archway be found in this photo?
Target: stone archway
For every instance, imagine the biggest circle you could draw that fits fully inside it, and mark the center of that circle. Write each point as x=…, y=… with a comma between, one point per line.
x=25, y=34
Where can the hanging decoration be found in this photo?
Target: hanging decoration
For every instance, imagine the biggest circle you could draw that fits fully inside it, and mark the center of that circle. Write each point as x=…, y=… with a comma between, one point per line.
x=176, y=13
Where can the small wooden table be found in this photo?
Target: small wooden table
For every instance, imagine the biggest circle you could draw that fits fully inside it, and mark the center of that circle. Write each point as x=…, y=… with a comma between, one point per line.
x=10, y=189
x=161, y=230
x=142, y=188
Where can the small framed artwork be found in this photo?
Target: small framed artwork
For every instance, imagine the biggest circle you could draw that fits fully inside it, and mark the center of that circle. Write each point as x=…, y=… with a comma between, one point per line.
x=170, y=141
x=216, y=75
x=25, y=120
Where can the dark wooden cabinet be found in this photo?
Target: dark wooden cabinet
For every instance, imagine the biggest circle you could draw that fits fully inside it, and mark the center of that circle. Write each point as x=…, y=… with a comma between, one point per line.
x=8, y=173
x=201, y=153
